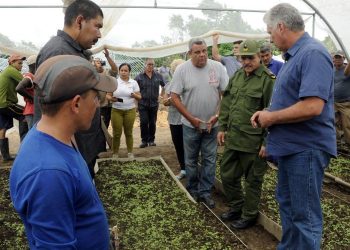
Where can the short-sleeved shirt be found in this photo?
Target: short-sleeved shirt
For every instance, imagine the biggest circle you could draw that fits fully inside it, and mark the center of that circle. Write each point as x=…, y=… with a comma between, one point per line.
x=341, y=86
x=149, y=88
x=231, y=64
x=55, y=196
x=200, y=88
x=308, y=72
x=275, y=66
x=9, y=80
x=124, y=90
x=174, y=116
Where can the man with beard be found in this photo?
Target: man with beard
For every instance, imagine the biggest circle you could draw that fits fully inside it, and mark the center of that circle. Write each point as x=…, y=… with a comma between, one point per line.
x=249, y=90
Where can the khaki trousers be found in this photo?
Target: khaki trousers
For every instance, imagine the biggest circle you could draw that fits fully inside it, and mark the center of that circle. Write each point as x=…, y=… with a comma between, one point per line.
x=342, y=120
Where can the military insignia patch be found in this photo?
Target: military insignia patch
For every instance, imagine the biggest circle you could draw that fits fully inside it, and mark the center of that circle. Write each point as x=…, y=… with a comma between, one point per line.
x=245, y=48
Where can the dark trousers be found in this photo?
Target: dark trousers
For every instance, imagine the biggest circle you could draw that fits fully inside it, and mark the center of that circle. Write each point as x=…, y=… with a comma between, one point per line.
x=106, y=115
x=13, y=111
x=148, y=119
x=177, y=137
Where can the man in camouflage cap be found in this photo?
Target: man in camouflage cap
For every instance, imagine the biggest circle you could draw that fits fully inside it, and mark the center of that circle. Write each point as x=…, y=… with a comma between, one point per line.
x=249, y=90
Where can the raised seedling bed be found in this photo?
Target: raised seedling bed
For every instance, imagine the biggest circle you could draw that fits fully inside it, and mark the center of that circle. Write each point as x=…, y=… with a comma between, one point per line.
x=151, y=211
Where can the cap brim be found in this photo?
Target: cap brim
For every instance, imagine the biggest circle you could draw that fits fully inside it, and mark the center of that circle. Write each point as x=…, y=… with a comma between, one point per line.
x=247, y=54
x=106, y=83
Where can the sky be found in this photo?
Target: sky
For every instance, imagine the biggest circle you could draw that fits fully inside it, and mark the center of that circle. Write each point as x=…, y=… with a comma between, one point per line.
x=37, y=25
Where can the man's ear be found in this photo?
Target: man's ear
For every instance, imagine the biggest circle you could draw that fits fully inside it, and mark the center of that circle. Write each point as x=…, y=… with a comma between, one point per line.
x=79, y=21
x=75, y=103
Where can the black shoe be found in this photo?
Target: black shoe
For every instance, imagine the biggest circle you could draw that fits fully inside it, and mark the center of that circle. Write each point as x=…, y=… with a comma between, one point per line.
x=143, y=145
x=208, y=201
x=243, y=223
x=231, y=215
x=152, y=144
x=194, y=196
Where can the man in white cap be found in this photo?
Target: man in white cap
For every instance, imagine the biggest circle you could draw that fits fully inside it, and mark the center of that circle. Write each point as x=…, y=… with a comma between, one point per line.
x=53, y=191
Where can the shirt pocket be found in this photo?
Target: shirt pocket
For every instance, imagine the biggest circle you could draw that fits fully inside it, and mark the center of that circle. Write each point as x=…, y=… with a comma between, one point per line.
x=253, y=101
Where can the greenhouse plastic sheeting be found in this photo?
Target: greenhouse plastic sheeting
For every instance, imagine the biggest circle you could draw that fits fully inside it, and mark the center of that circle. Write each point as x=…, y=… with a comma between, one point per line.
x=335, y=14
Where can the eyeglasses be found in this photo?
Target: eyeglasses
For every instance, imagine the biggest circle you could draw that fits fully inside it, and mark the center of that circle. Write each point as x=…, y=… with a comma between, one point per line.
x=338, y=57
x=247, y=57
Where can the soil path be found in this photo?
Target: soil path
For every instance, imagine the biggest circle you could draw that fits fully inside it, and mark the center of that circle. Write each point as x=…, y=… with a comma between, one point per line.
x=255, y=237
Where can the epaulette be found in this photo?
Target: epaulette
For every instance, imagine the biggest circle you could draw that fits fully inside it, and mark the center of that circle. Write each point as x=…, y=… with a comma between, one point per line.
x=269, y=72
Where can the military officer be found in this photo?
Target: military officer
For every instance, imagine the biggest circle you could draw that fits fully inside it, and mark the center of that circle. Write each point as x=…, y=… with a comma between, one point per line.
x=248, y=91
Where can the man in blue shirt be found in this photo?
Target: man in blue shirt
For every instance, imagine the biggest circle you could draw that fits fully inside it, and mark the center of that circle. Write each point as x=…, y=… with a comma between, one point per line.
x=300, y=122
x=342, y=95
x=50, y=184
x=231, y=62
x=269, y=62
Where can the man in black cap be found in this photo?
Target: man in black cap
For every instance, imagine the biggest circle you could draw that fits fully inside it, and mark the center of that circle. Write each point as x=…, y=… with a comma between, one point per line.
x=50, y=184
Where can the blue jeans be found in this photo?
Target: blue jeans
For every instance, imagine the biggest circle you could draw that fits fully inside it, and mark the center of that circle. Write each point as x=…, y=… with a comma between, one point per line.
x=298, y=193
x=200, y=178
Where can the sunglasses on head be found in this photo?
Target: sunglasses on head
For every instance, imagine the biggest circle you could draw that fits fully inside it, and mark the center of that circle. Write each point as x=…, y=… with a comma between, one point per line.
x=247, y=57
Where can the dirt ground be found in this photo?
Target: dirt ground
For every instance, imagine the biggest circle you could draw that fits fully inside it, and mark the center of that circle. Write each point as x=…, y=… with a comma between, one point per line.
x=255, y=237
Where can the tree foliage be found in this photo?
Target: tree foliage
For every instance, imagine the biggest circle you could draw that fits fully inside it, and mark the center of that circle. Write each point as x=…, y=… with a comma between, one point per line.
x=223, y=20
x=6, y=42
x=329, y=44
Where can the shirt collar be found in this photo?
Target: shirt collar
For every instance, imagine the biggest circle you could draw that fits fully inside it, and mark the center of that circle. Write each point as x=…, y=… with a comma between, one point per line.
x=296, y=46
x=258, y=71
x=70, y=40
x=272, y=61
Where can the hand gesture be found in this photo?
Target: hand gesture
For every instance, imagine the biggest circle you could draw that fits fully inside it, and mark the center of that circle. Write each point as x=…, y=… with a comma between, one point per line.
x=106, y=52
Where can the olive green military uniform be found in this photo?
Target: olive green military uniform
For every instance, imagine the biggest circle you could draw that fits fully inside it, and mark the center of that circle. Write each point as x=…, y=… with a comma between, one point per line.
x=242, y=98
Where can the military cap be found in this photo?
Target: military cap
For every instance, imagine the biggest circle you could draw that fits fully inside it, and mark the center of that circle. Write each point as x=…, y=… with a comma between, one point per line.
x=249, y=48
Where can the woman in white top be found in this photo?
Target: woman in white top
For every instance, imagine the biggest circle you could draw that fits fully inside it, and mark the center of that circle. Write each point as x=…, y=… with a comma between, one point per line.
x=124, y=109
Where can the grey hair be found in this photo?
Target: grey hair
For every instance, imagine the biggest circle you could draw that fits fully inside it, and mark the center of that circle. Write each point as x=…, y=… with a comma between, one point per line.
x=149, y=59
x=265, y=48
x=287, y=14
x=196, y=40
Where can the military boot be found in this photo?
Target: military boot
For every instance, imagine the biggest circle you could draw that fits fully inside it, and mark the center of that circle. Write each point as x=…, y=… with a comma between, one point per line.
x=4, y=148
